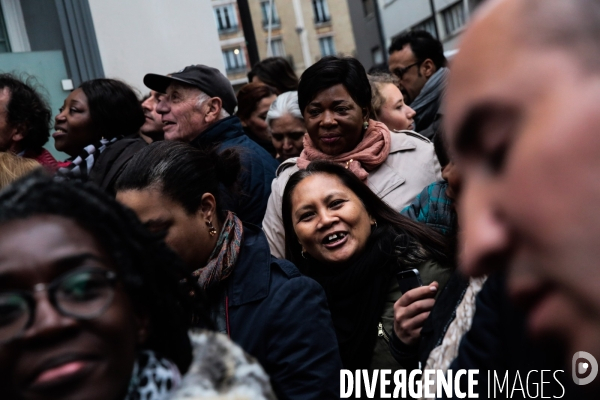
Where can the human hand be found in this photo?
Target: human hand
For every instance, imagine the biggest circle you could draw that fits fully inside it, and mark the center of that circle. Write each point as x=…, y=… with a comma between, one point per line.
x=411, y=310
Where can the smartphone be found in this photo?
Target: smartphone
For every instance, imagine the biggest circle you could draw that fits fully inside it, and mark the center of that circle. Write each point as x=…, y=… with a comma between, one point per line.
x=409, y=279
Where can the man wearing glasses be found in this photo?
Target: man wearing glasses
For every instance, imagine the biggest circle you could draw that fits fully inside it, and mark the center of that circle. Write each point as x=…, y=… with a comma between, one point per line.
x=418, y=60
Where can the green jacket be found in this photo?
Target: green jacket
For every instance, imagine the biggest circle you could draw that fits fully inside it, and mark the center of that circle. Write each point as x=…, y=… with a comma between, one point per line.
x=382, y=358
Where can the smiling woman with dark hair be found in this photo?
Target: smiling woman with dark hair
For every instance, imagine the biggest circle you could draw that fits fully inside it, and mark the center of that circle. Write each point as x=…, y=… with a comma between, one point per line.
x=97, y=126
x=345, y=237
x=334, y=96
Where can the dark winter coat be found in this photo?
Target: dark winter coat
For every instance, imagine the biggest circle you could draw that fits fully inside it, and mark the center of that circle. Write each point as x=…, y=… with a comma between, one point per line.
x=112, y=162
x=280, y=317
x=258, y=169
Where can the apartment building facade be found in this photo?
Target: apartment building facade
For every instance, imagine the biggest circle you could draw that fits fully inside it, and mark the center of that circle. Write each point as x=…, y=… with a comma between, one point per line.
x=62, y=43
x=302, y=31
x=444, y=19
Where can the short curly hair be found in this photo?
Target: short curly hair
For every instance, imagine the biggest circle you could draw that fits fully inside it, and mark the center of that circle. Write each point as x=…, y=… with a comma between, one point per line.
x=149, y=271
x=27, y=109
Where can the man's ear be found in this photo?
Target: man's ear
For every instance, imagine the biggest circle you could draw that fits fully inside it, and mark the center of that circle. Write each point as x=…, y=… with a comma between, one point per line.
x=214, y=105
x=17, y=133
x=427, y=68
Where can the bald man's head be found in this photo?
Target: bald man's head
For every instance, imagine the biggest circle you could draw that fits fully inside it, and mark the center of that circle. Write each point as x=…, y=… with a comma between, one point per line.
x=572, y=25
x=523, y=124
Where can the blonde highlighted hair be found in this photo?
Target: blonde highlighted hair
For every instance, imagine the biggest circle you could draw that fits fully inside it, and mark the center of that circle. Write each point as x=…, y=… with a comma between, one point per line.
x=378, y=81
x=13, y=167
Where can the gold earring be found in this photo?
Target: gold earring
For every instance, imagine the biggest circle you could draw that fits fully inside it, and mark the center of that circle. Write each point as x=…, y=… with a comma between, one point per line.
x=211, y=229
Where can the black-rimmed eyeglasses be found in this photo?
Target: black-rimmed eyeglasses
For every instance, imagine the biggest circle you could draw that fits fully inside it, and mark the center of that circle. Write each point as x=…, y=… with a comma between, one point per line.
x=80, y=294
x=399, y=72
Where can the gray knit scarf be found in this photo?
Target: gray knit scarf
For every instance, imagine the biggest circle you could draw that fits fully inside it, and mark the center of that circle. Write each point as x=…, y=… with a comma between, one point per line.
x=431, y=91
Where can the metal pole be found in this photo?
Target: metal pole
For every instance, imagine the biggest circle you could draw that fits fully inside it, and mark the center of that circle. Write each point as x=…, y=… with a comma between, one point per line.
x=380, y=31
x=302, y=33
x=248, y=29
x=433, y=14
x=269, y=52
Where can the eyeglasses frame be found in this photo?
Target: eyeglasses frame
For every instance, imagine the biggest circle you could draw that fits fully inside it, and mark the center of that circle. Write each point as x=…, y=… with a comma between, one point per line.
x=51, y=288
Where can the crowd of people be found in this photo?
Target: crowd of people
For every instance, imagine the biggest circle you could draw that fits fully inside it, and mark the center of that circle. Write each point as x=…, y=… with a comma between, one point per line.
x=203, y=243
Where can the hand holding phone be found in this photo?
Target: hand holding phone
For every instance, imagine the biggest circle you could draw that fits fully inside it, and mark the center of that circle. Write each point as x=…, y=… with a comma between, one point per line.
x=413, y=307
x=409, y=279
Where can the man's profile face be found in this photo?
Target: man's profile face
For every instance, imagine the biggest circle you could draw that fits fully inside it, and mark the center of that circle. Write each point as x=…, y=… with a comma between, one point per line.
x=411, y=81
x=153, y=120
x=523, y=123
x=182, y=116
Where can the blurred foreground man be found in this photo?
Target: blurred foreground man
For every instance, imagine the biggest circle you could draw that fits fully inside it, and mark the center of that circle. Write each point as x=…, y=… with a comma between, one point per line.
x=523, y=120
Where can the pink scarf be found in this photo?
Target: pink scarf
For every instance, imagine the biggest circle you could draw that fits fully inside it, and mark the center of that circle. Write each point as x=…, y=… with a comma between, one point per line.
x=370, y=152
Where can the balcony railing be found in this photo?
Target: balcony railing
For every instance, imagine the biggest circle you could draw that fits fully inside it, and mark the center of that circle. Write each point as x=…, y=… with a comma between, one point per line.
x=230, y=29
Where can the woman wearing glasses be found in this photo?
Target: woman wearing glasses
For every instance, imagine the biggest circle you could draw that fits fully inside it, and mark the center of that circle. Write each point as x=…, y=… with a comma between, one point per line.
x=334, y=96
x=90, y=302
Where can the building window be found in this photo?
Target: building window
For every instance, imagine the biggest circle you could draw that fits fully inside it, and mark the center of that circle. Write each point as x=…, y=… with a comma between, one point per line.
x=4, y=43
x=321, y=11
x=454, y=17
x=426, y=25
x=226, y=18
x=234, y=60
x=277, y=48
x=265, y=6
x=377, y=55
x=368, y=7
x=327, y=46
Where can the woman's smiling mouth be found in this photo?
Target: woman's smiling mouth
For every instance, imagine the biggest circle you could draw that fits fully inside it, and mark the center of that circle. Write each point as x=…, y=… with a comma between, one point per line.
x=335, y=240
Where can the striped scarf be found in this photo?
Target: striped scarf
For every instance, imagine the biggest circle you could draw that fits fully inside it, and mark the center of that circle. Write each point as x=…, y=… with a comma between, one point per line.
x=81, y=166
x=224, y=255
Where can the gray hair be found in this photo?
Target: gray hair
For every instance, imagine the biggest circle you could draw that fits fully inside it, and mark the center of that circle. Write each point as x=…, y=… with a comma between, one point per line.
x=285, y=103
x=202, y=97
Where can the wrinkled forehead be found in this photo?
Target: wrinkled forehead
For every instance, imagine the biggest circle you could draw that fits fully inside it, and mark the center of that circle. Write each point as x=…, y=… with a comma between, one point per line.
x=183, y=89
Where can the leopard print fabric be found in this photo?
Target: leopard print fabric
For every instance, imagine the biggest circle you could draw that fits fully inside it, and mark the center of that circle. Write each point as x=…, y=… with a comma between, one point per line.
x=153, y=378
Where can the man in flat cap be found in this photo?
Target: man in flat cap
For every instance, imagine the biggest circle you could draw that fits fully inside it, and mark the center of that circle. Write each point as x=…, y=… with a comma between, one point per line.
x=198, y=108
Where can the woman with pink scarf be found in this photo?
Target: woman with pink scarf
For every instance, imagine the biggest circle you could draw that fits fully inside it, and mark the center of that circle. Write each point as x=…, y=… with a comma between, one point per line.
x=334, y=96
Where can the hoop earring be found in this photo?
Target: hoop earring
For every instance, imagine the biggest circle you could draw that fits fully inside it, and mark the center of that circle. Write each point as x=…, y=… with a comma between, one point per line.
x=211, y=229
x=303, y=254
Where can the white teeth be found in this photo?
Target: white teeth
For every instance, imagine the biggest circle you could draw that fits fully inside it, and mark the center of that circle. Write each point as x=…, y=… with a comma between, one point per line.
x=335, y=236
